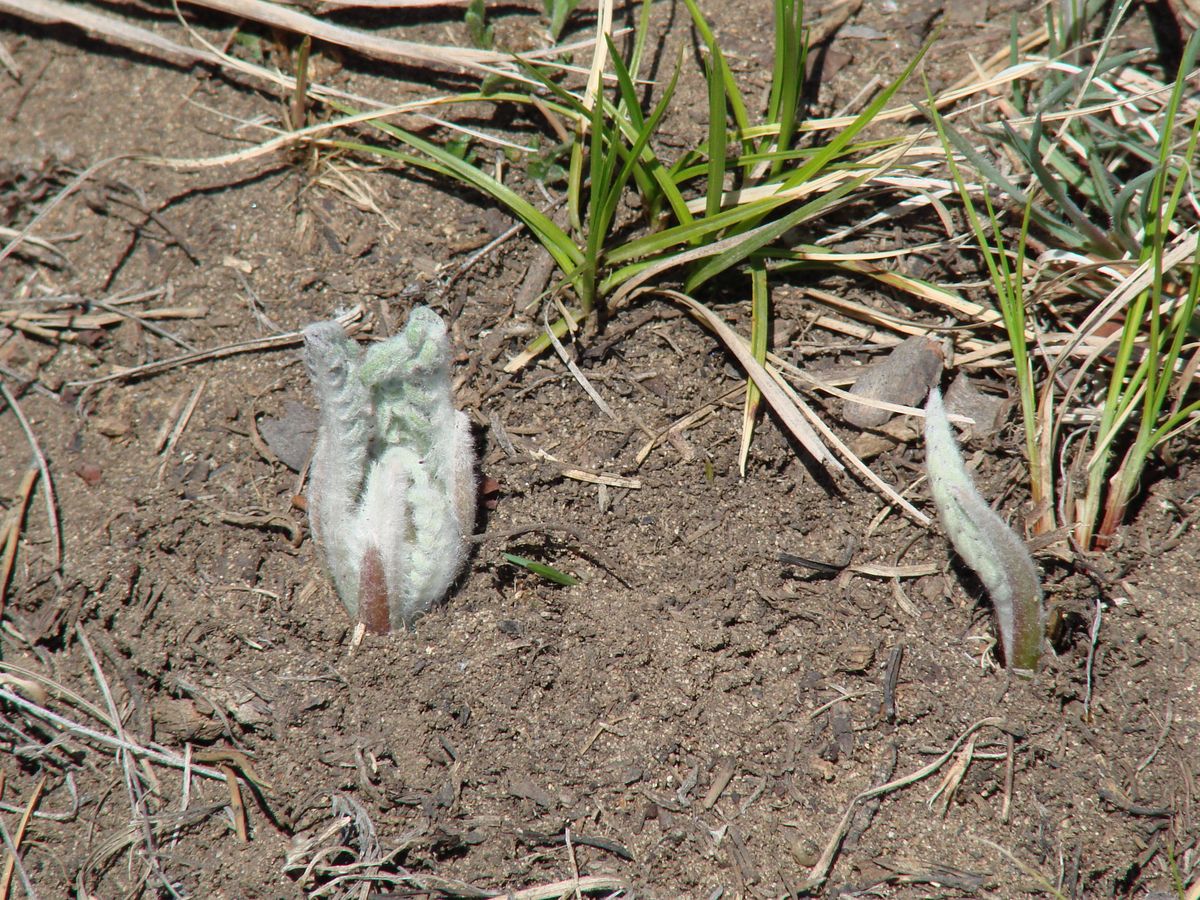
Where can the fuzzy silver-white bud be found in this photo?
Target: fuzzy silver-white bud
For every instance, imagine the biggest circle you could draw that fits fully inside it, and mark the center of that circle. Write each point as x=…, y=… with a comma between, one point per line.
x=391, y=494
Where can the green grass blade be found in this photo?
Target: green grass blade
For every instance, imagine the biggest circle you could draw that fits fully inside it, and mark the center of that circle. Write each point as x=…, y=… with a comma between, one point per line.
x=843, y=138
x=717, y=134
x=575, y=184
x=603, y=216
x=599, y=162
x=783, y=19
x=434, y=158
x=629, y=104
x=548, y=572
x=788, y=76
x=736, y=104
x=691, y=232
x=651, y=168
x=762, y=235
x=1094, y=236
x=1009, y=285
x=639, y=42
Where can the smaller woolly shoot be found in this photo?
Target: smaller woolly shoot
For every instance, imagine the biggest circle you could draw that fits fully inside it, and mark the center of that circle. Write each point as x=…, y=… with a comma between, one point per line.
x=985, y=543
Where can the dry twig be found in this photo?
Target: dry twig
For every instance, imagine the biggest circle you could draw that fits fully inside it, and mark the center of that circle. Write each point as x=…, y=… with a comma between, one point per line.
x=10, y=531
x=353, y=321
x=10, y=864
x=819, y=873
x=44, y=468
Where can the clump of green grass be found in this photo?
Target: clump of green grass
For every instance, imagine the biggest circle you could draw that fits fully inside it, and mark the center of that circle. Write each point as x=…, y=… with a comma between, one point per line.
x=728, y=205
x=1105, y=174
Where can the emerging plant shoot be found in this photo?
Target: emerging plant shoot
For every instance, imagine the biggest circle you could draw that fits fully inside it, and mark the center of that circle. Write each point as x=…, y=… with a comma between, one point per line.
x=985, y=543
x=391, y=490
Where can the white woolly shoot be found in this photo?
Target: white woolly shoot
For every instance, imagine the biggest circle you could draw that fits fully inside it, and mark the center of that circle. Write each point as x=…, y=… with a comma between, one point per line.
x=985, y=542
x=391, y=488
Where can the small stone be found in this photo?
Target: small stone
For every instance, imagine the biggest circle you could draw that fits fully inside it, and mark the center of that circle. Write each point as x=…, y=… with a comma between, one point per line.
x=989, y=412
x=856, y=659
x=804, y=852
x=180, y=721
x=90, y=473
x=290, y=436
x=904, y=376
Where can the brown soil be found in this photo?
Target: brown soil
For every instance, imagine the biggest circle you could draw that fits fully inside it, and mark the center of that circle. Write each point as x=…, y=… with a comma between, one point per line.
x=694, y=718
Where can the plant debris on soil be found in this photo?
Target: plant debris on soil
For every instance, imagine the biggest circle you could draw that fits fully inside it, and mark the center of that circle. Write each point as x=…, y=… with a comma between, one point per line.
x=759, y=686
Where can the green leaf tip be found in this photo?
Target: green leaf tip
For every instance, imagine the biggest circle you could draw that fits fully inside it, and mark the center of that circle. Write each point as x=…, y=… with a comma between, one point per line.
x=985, y=543
x=548, y=572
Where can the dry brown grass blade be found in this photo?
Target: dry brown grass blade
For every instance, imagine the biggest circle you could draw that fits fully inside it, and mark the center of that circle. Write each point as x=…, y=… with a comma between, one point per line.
x=139, y=784
x=804, y=424
x=10, y=864
x=353, y=321
x=9, y=63
x=682, y=424
x=952, y=302
x=236, y=804
x=366, y=43
x=288, y=139
x=77, y=182
x=44, y=468
x=953, y=779
x=575, y=371
x=162, y=825
x=237, y=760
x=618, y=481
x=1183, y=249
x=150, y=43
x=998, y=62
x=966, y=88
x=117, y=31
x=827, y=387
x=181, y=423
x=133, y=758
x=604, y=14
x=62, y=724
x=15, y=318
x=143, y=40
x=819, y=873
x=889, y=492
x=36, y=248
x=902, y=157
x=10, y=531
x=783, y=406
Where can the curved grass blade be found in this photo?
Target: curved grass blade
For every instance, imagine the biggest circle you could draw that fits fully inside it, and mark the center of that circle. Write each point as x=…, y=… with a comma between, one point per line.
x=736, y=103
x=780, y=402
x=759, y=237
x=554, y=239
